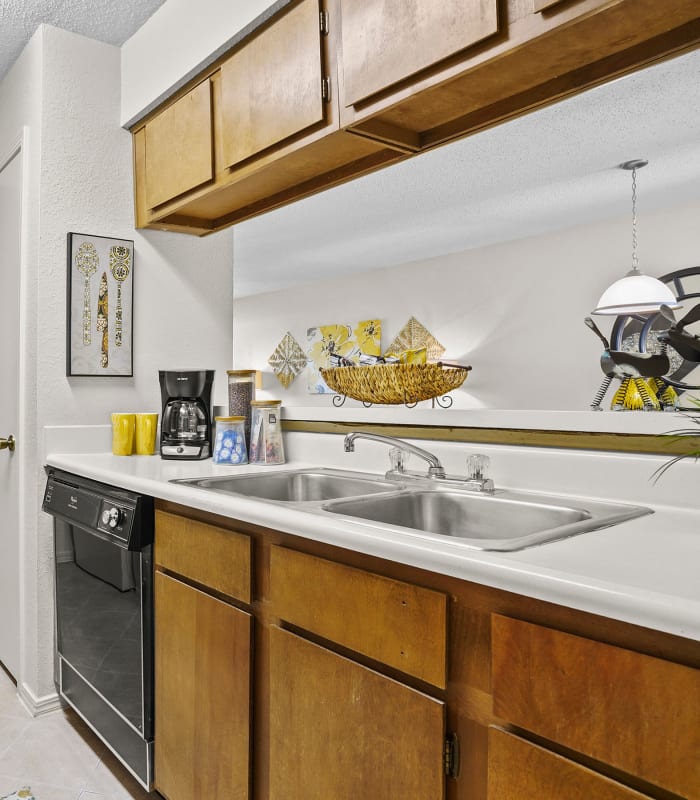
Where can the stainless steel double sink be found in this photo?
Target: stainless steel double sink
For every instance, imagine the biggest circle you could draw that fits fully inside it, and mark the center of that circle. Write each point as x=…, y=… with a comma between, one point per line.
x=500, y=520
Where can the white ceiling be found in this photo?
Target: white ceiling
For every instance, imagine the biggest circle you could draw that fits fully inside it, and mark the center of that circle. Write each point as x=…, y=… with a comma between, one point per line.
x=546, y=171
x=111, y=21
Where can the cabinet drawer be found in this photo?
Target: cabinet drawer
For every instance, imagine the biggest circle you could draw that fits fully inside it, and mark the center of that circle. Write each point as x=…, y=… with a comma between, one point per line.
x=635, y=712
x=215, y=557
x=401, y=625
x=519, y=769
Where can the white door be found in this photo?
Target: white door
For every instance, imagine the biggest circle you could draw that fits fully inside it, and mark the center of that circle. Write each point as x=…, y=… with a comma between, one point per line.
x=10, y=239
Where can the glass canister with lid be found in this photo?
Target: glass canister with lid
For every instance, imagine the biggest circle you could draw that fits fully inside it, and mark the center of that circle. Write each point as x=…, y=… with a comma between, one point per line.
x=241, y=392
x=229, y=442
x=266, y=446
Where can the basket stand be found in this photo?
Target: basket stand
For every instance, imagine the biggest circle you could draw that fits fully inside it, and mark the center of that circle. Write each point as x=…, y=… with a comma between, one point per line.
x=441, y=402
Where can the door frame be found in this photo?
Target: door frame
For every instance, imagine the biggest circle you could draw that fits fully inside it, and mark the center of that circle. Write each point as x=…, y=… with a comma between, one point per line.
x=19, y=147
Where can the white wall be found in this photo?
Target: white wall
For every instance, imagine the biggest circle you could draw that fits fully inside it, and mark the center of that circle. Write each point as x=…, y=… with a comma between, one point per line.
x=174, y=42
x=66, y=89
x=513, y=311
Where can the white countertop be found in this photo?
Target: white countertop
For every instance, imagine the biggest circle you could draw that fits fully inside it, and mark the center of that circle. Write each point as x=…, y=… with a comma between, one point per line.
x=644, y=571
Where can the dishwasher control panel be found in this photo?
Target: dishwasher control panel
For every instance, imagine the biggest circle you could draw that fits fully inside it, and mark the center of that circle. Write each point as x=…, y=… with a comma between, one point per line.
x=115, y=519
x=108, y=511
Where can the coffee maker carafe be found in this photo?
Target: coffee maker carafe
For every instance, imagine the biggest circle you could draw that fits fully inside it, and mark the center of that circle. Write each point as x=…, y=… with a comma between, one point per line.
x=185, y=431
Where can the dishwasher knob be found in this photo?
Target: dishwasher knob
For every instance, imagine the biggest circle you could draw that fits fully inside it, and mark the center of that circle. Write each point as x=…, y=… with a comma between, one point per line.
x=112, y=517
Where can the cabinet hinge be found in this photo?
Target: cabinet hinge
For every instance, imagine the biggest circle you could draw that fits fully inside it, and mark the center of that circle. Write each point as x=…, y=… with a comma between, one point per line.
x=323, y=21
x=451, y=754
x=326, y=89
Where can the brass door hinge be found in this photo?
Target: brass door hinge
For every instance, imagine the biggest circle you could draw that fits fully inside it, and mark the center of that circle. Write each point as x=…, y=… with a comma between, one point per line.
x=451, y=754
x=326, y=89
x=323, y=22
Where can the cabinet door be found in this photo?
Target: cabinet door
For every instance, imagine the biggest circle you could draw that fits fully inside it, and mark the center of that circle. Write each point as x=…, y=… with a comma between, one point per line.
x=178, y=147
x=635, y=712
x=387, y=41
x=339, y=730
x=271, y=88
x=519, y=769
x=202, y=694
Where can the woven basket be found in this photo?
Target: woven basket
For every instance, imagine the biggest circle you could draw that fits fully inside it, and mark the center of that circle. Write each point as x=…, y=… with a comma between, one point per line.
x=395, y=384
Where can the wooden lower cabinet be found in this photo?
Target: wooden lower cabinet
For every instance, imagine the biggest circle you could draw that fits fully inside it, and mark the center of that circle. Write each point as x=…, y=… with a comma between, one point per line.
x=341, y=731
x=520, y=770
x=202, y=694
x=637, y=713
x=317, y=687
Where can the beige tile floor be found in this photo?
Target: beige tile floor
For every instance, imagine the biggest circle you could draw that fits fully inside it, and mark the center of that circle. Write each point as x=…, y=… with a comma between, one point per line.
x=58, y=756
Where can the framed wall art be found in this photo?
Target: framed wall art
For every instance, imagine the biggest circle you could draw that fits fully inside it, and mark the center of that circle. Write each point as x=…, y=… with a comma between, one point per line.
x=100, y=306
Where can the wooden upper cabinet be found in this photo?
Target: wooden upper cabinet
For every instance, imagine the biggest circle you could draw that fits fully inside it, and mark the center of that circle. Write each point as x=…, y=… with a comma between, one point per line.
x=271, y=88
x=387, y=41
x=545, y=5
x=340, y=731
x=178, y=147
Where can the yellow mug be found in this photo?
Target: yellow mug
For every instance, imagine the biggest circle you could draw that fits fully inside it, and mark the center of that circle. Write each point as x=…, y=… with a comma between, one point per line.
x=146, y=427
x=123, y=426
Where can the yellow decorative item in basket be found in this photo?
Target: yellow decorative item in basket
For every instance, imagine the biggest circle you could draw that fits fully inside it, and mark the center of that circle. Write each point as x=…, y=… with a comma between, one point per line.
x=395, y=384
x=419, y=356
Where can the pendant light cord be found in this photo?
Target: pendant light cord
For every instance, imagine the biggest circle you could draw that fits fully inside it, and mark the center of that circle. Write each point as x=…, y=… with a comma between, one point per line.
x=635, y=259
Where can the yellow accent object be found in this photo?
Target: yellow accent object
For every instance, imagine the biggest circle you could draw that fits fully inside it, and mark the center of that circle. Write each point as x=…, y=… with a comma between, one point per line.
x=145, y=434
x=627, y=396
x=669, y=396
x=630, y=395
x=123, y=428
x=367, y=335
x=419, y=356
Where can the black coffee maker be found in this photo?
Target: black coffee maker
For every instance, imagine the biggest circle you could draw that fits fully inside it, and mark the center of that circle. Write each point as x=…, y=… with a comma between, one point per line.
x=185, y=429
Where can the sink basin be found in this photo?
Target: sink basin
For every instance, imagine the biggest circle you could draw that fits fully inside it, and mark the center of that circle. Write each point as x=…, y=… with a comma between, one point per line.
x=501, y=521
x=297, y=486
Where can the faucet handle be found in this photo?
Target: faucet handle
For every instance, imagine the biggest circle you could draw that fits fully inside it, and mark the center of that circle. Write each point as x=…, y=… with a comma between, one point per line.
x=477, y=466
x=398, y=458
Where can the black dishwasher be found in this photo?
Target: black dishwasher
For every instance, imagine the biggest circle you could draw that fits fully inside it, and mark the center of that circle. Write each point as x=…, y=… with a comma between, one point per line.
x=103, y=546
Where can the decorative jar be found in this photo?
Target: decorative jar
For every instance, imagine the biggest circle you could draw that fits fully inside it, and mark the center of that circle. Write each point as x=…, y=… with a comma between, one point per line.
x=229, y=442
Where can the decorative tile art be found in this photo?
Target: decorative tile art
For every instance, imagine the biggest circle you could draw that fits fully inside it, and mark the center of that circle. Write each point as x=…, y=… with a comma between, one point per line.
x=99, y=338
x=326, y=343
x=288, y=360
x=414, y=336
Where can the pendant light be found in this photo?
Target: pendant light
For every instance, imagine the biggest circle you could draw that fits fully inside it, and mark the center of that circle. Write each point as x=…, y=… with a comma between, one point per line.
x=635, y=293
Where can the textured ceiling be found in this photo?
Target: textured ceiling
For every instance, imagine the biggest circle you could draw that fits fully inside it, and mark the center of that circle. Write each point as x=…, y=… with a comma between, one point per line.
x=546, y=171
x=111, y=21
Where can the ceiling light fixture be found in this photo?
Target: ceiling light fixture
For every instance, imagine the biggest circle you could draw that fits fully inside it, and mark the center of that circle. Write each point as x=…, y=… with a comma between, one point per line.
x=635, y=293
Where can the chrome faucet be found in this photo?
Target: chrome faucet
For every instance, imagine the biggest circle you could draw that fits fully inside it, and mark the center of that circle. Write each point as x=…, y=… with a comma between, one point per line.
x=435, y=470
x=477, y=464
